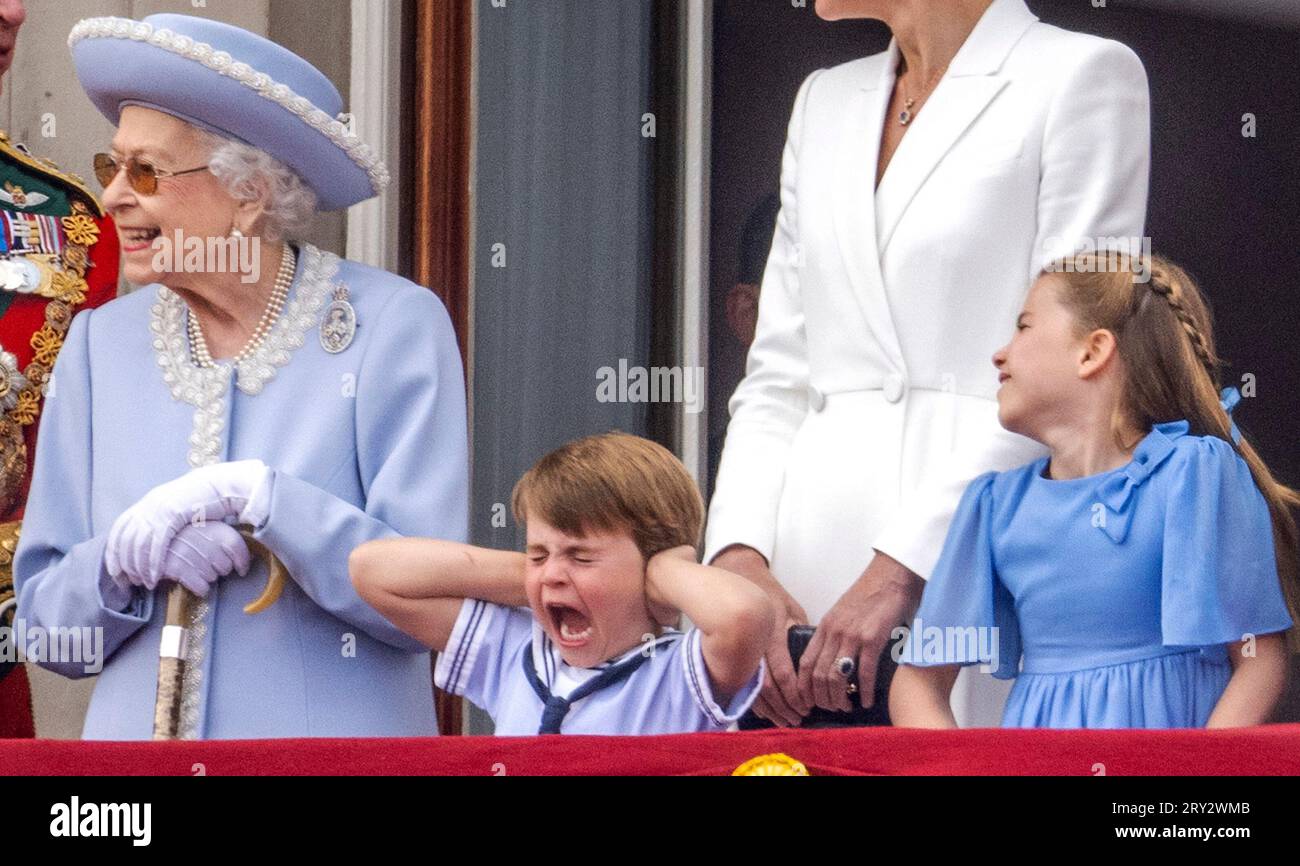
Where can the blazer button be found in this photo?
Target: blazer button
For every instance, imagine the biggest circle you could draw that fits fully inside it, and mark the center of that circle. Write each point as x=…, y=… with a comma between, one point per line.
x=894, y=388
x=816, y=399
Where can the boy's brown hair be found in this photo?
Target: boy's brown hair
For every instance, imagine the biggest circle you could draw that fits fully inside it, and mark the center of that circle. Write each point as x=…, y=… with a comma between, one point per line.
x=614, y=481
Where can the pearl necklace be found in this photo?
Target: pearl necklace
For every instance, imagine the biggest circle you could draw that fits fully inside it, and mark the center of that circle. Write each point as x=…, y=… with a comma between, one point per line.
x=274, y=305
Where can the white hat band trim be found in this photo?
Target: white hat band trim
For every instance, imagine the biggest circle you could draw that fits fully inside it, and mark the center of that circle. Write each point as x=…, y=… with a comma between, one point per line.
x=220, y=61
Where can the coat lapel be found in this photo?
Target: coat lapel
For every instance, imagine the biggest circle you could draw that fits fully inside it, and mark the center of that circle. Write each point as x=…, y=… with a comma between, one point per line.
x=971, y=83
x=949, y=112
x=856, y=156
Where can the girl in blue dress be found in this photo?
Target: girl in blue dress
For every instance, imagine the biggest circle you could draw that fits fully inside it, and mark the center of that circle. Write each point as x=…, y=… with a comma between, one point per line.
x=1139, y=570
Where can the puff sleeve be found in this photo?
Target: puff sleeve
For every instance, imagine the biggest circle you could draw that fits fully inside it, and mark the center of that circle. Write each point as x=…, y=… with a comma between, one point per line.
x=1219, y=579
x=966, y=615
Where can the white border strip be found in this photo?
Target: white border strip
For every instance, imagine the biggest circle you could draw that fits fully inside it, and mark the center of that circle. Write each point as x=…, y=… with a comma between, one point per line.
x=372, y=225
x=694, y=318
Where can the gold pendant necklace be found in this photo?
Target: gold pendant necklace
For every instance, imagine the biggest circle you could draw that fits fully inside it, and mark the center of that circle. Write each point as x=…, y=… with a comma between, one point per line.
x=907, y=114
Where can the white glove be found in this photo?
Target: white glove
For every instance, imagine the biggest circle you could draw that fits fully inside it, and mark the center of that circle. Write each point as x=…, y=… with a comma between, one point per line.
x=201, y=554
x=139, y=540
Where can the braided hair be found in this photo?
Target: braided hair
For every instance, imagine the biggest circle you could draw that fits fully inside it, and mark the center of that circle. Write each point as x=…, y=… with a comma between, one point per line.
x=1167, y=280
x=1165, y=337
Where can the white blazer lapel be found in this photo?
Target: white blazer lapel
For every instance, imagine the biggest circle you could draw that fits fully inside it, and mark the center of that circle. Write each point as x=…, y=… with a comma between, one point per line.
x=950, y=110
x=960, y=97
x=856, y=154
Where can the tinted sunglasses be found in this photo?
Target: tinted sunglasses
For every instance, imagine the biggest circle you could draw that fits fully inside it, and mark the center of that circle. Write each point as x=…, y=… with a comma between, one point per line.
x=142, y=176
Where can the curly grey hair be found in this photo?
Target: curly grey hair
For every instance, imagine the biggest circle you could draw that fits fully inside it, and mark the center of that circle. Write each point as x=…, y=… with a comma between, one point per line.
x=248, y=173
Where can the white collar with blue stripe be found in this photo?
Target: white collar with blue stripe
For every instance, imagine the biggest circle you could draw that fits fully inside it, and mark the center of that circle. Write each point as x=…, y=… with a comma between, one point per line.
x=548, y=662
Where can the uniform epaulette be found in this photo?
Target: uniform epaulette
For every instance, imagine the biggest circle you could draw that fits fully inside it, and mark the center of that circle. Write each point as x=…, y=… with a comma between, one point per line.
x=51, y=172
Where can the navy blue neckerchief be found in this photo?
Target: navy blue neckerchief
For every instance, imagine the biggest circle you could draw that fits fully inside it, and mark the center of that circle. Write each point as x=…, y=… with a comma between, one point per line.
x=556, y=708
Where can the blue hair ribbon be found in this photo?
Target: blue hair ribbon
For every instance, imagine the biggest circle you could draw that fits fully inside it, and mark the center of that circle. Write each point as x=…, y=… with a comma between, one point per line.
x=1229, y=398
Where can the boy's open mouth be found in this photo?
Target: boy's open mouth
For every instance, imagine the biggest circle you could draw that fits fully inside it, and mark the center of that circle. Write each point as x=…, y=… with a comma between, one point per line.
x=573, y=626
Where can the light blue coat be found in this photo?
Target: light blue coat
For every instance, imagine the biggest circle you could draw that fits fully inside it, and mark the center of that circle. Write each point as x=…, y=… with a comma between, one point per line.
x=367, y=443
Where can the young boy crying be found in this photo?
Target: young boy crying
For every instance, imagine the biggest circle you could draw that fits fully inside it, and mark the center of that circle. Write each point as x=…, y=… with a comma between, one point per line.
x=577, y=634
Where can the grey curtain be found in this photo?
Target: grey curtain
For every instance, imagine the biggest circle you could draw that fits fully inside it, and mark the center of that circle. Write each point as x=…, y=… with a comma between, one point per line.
x=563, y=182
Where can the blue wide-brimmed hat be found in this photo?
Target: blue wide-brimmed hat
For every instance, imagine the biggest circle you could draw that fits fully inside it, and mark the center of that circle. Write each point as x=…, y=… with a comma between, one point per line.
x=227, y=80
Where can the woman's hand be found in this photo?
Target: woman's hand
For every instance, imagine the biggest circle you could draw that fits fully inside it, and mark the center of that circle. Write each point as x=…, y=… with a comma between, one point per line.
x=199, y=555
x=858, y=627
x=780, y=701
x=141, y=536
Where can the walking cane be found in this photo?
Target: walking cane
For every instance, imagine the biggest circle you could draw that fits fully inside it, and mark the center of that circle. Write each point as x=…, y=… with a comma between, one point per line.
x=175, y=636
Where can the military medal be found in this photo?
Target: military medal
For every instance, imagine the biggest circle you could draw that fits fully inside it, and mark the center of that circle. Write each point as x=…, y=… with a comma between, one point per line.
x=13, y=274
x=340, y=323
x=13, y=449
x=47, y=257
x=26, y=275
x=12, y=381
x=42, y=256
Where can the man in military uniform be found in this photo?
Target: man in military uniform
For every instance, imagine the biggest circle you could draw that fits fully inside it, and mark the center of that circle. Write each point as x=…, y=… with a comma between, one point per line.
x=58, y=255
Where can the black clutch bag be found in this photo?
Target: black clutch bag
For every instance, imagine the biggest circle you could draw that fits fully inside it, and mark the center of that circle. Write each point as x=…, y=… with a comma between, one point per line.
x=877, y=714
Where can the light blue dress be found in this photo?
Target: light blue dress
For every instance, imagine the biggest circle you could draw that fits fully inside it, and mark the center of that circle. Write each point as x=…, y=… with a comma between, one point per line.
x=1119, y=590
x=366, y=443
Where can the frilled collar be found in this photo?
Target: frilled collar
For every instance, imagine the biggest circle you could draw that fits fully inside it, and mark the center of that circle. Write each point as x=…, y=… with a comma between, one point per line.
x=205, y=388
x=311, y=287
x=1116, y=490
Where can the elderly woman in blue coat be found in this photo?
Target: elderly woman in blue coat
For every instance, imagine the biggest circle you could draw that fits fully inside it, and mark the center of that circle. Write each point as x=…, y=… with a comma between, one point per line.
x=316, y=402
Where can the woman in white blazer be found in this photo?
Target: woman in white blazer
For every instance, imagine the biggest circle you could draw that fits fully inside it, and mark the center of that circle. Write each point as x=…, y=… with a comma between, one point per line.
x=869, y=397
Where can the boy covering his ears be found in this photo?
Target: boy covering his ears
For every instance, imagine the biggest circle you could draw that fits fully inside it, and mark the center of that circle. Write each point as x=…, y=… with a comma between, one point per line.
x=575, y=634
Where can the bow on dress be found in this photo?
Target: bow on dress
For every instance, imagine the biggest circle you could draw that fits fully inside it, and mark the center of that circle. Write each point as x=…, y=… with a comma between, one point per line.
x=1117, y=490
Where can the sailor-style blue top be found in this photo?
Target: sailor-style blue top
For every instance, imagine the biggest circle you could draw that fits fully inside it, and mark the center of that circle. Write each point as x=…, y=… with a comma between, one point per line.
x=1118, y=591
x=502, y=660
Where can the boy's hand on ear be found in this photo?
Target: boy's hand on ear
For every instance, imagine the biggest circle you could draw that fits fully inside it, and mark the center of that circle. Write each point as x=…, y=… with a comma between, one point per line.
x=660, y=610
x=684, y=552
